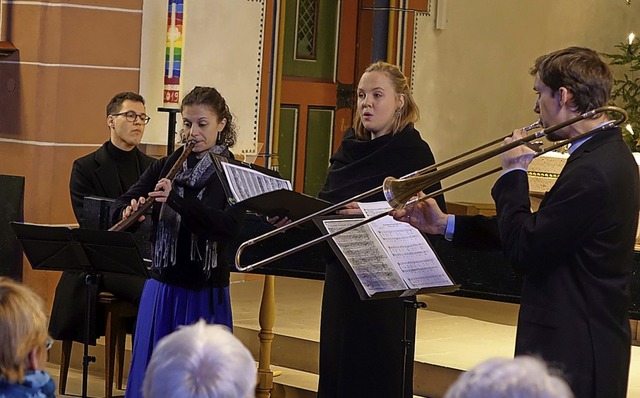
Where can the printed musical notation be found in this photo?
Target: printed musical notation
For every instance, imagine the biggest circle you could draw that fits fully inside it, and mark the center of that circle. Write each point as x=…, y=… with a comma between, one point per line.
x=246, y=183
x=387, y=255
x=366, y=256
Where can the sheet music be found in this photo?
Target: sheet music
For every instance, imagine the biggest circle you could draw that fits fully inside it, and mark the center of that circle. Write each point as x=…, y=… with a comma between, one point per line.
x=246, y=183
x=370, y=209
x=366, y=256
x=387, y=254
x=407, y=248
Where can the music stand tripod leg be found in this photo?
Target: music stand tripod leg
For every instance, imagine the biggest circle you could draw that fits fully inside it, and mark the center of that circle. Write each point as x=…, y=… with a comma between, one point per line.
x=408, y=342
x=91, y=280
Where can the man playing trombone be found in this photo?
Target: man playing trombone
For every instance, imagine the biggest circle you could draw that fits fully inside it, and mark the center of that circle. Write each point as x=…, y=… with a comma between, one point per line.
x=576, y=251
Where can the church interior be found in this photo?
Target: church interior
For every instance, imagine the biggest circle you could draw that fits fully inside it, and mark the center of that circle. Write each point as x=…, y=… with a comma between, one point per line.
x=289, y=71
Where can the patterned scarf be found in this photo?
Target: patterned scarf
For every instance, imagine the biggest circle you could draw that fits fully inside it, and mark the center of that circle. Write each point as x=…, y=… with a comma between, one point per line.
x=36, y=384
x=169, y=221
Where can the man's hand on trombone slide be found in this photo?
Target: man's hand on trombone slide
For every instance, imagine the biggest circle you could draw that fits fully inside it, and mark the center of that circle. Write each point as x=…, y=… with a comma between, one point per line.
x=425, y=215
x=519, y=157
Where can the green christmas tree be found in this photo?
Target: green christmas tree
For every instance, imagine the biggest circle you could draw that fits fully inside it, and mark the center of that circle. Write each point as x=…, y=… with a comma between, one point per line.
x=626, y=91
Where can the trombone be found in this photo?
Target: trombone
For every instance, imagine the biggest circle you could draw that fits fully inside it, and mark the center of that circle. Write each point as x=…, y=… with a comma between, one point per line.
x=399, y=191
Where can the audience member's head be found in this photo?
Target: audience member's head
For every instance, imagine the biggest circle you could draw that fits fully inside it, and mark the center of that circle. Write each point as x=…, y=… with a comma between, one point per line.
x=23, y=327
x=200, y=361
x=520, y=377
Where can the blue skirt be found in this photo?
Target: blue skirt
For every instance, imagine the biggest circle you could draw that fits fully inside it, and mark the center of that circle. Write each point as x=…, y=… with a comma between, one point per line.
x=163, y=309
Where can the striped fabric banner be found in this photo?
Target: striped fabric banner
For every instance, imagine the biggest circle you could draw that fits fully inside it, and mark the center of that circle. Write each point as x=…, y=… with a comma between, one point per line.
x=173, y=55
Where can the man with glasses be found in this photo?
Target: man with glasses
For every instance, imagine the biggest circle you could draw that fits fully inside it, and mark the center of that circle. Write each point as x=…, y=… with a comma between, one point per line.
x=107, y=172
x=118, y=163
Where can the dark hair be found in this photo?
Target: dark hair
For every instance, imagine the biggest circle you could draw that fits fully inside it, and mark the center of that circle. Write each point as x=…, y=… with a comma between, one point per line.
x=210, y=97
x=409, y=113
x=581, y=71
x=115, y=104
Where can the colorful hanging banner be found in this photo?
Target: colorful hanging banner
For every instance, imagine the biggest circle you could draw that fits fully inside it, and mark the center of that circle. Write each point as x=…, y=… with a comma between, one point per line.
x=173, y=54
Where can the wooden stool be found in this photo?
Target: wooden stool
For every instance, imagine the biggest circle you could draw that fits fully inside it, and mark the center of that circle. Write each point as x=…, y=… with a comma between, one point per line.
x=116, y=311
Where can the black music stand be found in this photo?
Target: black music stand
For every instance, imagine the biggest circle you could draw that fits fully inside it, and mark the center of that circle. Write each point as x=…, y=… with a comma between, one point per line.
x=86, y=250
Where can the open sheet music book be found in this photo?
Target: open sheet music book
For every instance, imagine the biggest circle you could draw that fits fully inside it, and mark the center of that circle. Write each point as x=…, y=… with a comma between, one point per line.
x=264, y=191
x=246, y=182
x=387, y=258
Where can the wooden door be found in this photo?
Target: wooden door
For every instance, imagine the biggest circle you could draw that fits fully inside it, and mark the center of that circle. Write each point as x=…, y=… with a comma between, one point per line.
x=318, y=74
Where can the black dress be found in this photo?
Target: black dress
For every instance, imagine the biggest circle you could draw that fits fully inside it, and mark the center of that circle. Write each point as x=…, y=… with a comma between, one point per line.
x=361, y=351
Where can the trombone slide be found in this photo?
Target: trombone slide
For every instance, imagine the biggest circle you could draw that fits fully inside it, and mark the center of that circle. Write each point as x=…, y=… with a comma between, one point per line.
x=398, y=191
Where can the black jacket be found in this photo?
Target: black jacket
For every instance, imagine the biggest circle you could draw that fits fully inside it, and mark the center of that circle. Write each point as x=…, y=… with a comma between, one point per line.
x=208, y=218
x=96, y=174
x=576, y=254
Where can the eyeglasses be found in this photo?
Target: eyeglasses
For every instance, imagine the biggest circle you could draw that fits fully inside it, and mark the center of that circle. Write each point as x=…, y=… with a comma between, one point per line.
x=48, y=343
x=132, y=116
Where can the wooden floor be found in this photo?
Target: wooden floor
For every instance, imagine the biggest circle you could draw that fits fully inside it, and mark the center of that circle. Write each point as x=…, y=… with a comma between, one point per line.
x=95, y=383
x=454, y=334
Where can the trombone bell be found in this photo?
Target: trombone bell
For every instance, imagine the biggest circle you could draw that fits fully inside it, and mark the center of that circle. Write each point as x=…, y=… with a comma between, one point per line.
x=398, y=191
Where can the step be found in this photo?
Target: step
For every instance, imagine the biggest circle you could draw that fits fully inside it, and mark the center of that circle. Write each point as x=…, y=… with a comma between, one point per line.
x=294, y=348
x=453, y=335
x=295, y=344
x=293, y=383
x=97, y=351
x=296, y=358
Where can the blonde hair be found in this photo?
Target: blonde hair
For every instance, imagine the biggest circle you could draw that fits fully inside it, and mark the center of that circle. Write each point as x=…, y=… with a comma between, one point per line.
x=409, y=113
x=23, y=327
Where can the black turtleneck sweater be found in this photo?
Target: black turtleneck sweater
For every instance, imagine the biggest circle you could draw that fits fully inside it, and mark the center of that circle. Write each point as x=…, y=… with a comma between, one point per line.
x=127, y=165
